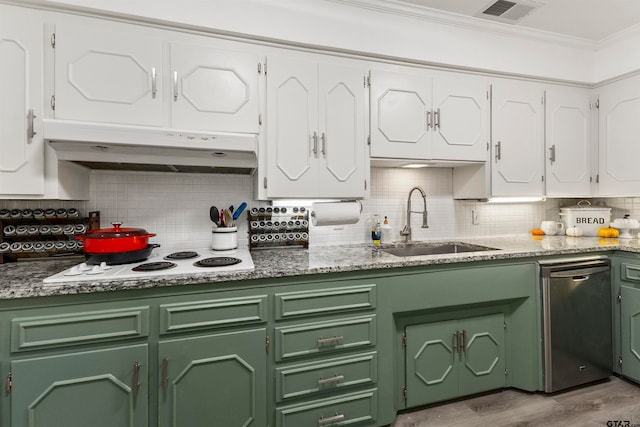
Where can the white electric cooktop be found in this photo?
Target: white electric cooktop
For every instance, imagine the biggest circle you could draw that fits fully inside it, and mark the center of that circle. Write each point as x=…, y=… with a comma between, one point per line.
x=160, y=263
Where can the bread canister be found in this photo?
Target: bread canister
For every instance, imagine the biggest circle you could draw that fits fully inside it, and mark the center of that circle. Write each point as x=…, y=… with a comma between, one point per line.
x=224, y=238
x=587, y=217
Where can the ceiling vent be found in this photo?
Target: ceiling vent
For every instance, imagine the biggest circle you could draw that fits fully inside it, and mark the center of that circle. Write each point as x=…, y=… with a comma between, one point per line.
x=507, y=11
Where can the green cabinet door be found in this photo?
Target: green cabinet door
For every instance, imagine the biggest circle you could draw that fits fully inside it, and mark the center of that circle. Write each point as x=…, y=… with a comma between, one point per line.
x=483, y=363
x=213, y=380
x=431, y=362
x=100, y=388
x=454, y=358
x=630, y=332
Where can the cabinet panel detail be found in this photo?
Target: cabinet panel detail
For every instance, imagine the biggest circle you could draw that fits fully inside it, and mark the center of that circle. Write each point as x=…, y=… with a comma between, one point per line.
x=324, y=337
x=28, y=333
x=328, y=375
x=344, y=410
x=297, y=304
x=630, y=272
x=212, y=314
x=95, y=388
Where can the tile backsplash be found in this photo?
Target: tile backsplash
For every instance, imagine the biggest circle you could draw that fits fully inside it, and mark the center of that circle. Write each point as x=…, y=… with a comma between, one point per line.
x=176, y=207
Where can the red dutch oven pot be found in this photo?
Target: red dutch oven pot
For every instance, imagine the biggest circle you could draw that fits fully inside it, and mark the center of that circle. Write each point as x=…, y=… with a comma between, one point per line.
x=115, y=240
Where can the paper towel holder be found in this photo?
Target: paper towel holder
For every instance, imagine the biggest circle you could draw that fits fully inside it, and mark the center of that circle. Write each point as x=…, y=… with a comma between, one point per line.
x=313, y=214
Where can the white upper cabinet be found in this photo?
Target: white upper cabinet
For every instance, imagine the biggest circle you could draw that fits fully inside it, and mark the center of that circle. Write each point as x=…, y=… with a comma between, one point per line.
x=416, y=114
x=568, y=148
x=107, y=72
x=315, y=137
x=117, y=73
x=21, y=95
x=518, y=139
x=213, y=89
x=619, y=150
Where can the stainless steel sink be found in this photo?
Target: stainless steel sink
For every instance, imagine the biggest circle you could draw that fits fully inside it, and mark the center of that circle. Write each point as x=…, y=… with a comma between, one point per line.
x=435, y=249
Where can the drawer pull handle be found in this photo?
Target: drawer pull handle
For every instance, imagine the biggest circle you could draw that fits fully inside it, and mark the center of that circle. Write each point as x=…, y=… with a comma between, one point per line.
x=331, y=340
x=335, y=379
x=334, y=419
x=165, y=374
x=136, y=379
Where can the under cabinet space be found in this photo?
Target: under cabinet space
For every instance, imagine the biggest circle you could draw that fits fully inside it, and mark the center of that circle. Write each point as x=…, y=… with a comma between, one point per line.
x=325, y=376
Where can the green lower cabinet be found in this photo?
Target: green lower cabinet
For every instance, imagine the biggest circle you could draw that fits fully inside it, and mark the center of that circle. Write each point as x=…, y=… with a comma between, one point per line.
x=630, y=332
x=99, y=388
x=213, y=380
x=454, y=358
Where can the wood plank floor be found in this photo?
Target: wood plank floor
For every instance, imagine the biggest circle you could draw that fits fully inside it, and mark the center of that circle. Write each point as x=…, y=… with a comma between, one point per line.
x=593, y=405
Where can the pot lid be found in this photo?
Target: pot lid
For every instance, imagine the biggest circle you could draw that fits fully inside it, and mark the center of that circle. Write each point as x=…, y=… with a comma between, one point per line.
x=586, y=205
x=116, y=232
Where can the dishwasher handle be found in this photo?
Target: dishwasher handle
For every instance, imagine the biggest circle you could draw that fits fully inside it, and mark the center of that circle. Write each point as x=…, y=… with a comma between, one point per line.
x=581, y=272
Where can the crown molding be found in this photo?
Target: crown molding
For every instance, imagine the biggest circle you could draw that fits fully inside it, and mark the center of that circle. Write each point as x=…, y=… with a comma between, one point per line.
x=395, y=7
x=633, y=31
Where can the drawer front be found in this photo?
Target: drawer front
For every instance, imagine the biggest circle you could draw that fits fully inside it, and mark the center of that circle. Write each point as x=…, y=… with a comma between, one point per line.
x=211, y=314
x=325, y=376
x=324, y=337
x=290, y=305
x=346, y=410
x=630, y=272
x=38, y=332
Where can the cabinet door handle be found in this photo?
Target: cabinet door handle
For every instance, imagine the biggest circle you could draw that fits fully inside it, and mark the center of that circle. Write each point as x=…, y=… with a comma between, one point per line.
x=498, y=150
x=315, y=144
x=154, y=82
x=165, y=374
x=30, y=132
x=429, y=119
x=436, y=119
x=136, y=378
x=175, y=85
x=457, y=338
x=334, y=419
x=331, y=340
x=324, y=144
x=334, y=379
x=552, y=153
x=464, y=341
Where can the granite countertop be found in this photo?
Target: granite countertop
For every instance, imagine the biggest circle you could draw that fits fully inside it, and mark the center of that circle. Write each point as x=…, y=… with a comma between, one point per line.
x=24, y=279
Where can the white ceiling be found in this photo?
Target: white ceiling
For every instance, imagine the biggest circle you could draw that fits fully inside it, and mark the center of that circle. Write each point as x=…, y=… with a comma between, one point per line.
x=594, y=20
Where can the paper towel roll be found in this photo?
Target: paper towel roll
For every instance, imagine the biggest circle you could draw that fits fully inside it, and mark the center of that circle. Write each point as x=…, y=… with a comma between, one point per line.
x=335, y=213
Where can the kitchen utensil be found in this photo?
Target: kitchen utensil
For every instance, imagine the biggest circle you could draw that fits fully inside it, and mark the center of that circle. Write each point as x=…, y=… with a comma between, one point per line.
x=228, y=219
x=214, y=214
x=121, y=257
x=239, y=211
x=231, y=208
x=222, y=218
x=224, y=238
x=115, y=240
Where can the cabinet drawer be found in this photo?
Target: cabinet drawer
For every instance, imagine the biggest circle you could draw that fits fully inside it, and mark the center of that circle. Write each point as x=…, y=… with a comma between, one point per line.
x=326, y=301
x=37, y=332
x=630, y=272
x=324, y=337
x=349, y=409
x=327, y=375
x=211, y=314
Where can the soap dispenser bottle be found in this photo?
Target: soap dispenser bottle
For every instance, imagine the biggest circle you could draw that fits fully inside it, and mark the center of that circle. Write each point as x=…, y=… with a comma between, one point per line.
x=376, y=230
x=386, y=231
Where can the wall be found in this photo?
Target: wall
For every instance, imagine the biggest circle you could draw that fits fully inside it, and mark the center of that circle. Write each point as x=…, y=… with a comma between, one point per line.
x=176, y=207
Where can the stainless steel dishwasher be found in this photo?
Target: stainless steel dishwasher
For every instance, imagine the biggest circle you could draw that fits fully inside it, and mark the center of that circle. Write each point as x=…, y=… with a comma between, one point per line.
x=576, y=321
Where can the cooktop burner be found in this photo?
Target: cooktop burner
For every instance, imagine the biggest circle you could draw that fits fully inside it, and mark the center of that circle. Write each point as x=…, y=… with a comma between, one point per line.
x=155, y=266
x=182, y=255
x=221, y=261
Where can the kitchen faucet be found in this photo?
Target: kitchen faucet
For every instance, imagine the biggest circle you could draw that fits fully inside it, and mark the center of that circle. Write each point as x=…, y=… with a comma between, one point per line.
x=406, y=231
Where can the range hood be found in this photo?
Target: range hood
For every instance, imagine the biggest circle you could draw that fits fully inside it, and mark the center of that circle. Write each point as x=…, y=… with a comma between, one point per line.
x=117, y=147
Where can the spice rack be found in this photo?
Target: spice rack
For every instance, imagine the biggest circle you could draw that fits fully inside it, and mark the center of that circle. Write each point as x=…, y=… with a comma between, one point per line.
x=279, y=226
x=28, y=235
